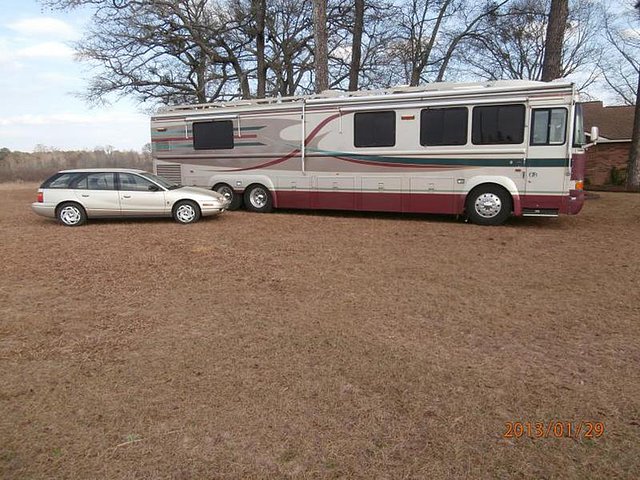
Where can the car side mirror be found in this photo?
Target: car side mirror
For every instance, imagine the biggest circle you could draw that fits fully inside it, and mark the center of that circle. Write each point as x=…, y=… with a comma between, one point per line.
x=154, y=188
x=594, y=134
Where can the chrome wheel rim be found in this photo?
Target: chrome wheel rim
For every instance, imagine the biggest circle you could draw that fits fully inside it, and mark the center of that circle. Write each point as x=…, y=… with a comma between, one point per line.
x=70, y=215
x=226, y=192
x=186, y=213
x=488, y=205
x=258, y=197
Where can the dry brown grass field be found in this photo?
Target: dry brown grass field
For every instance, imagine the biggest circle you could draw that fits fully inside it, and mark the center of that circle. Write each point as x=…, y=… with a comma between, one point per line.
x=318, y=345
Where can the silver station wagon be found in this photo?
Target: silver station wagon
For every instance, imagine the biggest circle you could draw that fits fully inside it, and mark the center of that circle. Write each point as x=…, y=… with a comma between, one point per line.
x=73, y=196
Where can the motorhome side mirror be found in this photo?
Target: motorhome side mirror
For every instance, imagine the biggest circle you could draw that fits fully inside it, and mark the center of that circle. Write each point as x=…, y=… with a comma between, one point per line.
x=154, y=188
x=594, y=134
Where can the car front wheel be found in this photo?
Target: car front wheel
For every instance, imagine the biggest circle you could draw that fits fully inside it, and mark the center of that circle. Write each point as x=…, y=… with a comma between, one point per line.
x=71, y=214
x=186, y=212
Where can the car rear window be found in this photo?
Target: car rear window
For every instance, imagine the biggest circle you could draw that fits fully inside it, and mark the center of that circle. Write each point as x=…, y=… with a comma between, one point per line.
x=59, y=180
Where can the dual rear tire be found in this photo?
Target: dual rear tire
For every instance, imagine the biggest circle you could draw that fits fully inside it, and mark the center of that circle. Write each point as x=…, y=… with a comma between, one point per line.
x=256, y=197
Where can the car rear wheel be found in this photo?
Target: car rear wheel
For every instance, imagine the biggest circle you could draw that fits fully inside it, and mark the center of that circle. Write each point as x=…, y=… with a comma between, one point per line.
x=229, y=194
x=257, y=198
x=71, y=214
x=186, y=212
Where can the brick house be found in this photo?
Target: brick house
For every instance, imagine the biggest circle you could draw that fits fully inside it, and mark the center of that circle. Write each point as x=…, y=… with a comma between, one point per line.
x=607, y=161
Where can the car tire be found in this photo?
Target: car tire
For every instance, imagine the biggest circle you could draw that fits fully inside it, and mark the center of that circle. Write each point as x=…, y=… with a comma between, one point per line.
x=228, y=192
x=71, y=214
x=185, y=212
x=488, y=205
x=257, y=198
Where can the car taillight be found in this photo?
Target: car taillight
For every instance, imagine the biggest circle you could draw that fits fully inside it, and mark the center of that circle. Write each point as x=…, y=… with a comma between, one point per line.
x=579, y=185
x=40, y=197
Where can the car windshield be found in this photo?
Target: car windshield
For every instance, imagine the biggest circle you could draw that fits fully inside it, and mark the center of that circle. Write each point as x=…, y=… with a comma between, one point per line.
x=161, y=181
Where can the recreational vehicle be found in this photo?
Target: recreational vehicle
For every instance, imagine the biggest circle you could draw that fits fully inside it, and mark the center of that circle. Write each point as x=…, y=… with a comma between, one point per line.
x=484, y=150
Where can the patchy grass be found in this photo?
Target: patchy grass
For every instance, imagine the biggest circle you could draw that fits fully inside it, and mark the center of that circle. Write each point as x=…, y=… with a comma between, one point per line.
x=319, y=345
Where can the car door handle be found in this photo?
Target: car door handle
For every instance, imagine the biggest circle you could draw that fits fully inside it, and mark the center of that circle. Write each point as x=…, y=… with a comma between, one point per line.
x=126, y=196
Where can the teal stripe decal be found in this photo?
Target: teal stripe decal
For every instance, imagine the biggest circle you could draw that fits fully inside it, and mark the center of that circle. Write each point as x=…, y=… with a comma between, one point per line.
x=547, y=162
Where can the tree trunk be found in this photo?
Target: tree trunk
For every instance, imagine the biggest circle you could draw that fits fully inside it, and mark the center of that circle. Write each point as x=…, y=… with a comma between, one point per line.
x=260, y=7
x=321, y=54
x=558, y=16
x=356, y=45
x=633, y=171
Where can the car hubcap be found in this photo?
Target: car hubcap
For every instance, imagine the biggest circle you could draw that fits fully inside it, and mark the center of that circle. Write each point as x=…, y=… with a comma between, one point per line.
x=226, y=192
x=258, y=197
x=70, y=215
x=185, y=213
x=488, y=205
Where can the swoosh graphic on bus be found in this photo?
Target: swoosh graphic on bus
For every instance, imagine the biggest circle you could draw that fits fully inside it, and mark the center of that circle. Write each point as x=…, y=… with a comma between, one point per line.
x=293, y=153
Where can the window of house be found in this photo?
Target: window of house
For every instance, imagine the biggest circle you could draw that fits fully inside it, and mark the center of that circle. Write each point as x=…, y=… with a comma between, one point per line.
x=374, y=129
x=498, y=125
x=215, y=135
x=443, y=126
x=549, y=126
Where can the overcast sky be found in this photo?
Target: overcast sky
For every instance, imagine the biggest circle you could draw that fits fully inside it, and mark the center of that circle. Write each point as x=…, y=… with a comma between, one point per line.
x=39, y=81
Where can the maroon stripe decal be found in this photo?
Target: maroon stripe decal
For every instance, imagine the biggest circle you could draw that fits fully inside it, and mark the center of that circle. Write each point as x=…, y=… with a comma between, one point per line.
x=293, y=153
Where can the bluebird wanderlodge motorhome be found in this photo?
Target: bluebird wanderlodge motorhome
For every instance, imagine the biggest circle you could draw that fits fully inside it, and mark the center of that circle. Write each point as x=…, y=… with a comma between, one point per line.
x=486, y=150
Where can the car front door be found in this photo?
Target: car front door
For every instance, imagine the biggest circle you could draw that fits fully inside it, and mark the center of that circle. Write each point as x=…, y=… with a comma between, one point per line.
x=97, y=193
x=139, y=196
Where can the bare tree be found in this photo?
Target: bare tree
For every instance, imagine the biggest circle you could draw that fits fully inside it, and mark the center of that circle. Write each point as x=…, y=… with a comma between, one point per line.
x=556, y=26
x=356, y=45
x=511, y=42
x=260, y=12
x=289, y=52
x=321, y=54
x=166, y=51
x=633, y=171
x=432, y=33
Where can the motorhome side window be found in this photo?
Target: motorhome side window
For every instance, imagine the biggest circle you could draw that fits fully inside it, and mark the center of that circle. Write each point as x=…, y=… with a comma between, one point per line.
x=217, y=135
x=374, y=129
x=548, y=126
x=498, y=125
x=443, y=126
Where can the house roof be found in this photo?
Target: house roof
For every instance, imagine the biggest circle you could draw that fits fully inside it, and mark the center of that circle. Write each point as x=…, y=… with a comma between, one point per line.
x=615, y=122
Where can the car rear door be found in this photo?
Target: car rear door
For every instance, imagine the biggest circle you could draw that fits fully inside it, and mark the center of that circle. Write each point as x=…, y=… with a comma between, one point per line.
x=136, y=198
x=96, y=192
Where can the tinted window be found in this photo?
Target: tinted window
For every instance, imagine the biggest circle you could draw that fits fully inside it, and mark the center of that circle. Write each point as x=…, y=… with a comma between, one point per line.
x=213, y=135
x=374, y=129
x=98, y=181
x=443, y=126
x=498, y=124
x=549, y=126
x=59, y=180
x=132, y=182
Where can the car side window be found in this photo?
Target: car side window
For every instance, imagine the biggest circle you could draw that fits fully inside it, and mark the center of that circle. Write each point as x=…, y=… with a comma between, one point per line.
x=97, y=181
x=134, y=183
x=60, y=180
